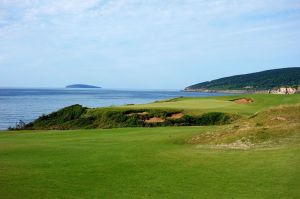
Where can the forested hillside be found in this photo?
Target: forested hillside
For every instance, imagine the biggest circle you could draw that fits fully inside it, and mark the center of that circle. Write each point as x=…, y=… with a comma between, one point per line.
x=257, y=81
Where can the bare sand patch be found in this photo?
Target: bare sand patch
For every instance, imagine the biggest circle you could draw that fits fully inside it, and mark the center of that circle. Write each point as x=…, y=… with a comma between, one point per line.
x=143, y=113
x=279, y=118
x=243, y=101
x=154, y=120
x=236, y=145
x=176, y=116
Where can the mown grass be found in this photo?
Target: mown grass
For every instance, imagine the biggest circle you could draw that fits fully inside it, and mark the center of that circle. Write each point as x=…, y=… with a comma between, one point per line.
x=140, y=163
x=224, y=104
x=162, y=162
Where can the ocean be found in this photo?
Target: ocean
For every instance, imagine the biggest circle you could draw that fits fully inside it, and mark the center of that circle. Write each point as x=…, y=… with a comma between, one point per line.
x=28, y=104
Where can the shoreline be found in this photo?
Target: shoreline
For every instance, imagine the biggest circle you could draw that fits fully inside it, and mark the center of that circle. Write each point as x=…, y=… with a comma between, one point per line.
x=281, y=90
x=227, y=91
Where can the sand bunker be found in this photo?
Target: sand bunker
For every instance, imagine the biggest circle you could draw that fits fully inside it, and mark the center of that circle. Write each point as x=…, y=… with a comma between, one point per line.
x=154, y=120
x=176, y=116
x=243, y=101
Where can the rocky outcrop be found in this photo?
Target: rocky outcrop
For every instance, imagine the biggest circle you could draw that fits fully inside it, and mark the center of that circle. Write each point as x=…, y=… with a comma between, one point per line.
x=284, y=90
x=218, y=91
x=281, y=90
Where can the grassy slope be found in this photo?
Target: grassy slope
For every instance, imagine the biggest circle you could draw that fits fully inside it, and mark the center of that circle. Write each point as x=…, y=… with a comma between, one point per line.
x=223, y=104
x=140, y=163
x=158, y=162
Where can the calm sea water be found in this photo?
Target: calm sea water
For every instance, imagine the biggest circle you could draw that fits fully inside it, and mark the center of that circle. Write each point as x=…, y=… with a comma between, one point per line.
x=28, y=104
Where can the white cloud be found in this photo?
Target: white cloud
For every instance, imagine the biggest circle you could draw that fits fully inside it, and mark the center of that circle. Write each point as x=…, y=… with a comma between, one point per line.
x=153, y=12
x=130, y=34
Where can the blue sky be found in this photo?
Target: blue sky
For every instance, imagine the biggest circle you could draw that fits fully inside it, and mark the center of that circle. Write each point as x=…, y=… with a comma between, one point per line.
x=143, y=44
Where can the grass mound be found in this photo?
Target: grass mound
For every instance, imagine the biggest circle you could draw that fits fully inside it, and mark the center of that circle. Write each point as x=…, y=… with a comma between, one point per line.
x=269, y=127
x=67, y=118
x=78, y=117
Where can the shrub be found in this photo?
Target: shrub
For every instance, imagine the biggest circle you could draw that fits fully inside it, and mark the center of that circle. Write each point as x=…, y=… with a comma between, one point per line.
x=214, y=118
x=76, y=116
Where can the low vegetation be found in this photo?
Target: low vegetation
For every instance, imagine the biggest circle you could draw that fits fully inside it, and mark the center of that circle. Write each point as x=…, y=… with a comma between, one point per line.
x=254, y=156
x=267, y=128
x=172, y=112
x=78, y=117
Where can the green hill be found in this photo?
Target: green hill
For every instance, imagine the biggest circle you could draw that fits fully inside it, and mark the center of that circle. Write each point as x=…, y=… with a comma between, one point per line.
x=264, y=80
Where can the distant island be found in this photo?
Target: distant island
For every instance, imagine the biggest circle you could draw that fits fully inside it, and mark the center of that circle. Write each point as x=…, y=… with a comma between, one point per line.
x=81, y=86
x=276, y=81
